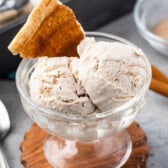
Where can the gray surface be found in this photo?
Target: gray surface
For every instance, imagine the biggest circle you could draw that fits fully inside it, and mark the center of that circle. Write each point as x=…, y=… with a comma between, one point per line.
x=153, y=119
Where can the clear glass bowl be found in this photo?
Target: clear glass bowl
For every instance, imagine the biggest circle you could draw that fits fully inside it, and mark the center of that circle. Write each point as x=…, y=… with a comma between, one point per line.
x=83, y=128
x=147, y=13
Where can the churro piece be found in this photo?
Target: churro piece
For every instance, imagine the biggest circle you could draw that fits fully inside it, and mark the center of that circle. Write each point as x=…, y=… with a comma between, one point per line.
x=51, y=30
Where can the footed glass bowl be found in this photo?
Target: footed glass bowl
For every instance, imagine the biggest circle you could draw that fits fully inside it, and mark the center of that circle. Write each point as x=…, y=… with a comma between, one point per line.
x=86, y=141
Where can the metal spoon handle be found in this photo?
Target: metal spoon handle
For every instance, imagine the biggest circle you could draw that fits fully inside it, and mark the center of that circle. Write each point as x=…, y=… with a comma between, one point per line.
x=3, y=162
x=2, y=2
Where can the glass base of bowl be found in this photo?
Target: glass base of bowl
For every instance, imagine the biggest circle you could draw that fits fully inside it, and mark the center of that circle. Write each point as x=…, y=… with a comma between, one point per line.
x=109, y=152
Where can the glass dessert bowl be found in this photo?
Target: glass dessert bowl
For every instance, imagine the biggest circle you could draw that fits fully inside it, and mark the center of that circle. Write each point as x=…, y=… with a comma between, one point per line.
x=93, y=140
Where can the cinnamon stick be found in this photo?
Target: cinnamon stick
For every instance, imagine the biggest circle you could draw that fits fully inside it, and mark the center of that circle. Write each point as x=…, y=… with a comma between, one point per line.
x=159, y=86
x=157, y=74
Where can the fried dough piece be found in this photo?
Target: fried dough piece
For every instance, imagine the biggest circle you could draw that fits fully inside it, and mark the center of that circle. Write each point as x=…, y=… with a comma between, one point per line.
x=51, y=30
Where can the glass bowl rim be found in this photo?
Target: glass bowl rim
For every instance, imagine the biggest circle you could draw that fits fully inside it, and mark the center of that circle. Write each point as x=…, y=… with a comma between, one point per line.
x=142, y=27
x=93, y=116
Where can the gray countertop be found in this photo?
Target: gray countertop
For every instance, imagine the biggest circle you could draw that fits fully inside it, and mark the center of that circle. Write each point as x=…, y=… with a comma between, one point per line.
x=153, y=119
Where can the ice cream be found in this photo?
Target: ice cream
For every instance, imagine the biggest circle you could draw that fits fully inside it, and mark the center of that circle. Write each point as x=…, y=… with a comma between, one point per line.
x=53, y=84
x=112, y=73
x=106, y=75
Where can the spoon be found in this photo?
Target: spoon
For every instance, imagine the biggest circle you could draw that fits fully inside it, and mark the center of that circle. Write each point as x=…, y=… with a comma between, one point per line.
x=4, y=128
x=12, y=4
x=2, y=2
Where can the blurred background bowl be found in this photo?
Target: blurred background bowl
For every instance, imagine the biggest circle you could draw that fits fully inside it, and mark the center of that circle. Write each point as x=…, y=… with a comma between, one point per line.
x=147, y=14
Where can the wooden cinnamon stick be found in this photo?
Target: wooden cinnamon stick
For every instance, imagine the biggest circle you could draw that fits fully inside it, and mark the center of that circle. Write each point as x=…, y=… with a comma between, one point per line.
x=157, y=74
x=159, y=87
x=159, y=82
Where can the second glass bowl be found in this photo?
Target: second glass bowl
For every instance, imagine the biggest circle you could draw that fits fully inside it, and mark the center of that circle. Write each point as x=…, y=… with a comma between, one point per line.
x=147, y=13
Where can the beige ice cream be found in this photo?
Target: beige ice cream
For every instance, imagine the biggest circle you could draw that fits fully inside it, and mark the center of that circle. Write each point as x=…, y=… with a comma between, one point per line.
x=106, y=75
x=112, y=73
x=53, y=84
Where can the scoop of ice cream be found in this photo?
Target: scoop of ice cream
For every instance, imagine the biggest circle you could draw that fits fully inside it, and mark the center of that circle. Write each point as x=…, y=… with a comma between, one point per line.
x=107, y=75
x=111, y=72
x=54, y=85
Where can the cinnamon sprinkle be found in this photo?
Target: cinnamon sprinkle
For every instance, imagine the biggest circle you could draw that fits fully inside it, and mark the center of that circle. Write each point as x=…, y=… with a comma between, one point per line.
x=161, y=28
